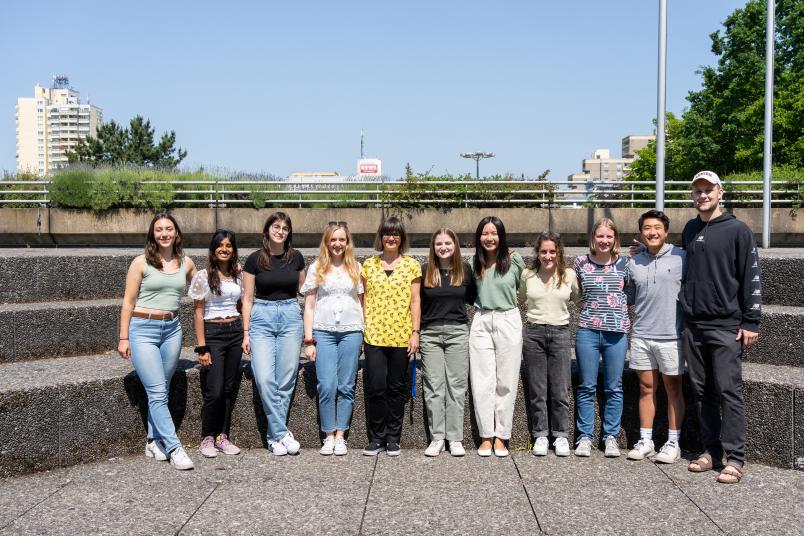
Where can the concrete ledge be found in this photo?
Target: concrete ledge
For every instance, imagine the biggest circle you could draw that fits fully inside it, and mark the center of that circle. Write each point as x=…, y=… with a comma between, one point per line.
x=72, y=410
x=89, y=274
x=124, y=227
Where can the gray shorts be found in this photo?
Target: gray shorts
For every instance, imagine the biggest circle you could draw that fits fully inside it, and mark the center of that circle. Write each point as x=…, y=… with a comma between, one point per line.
x=663, y=355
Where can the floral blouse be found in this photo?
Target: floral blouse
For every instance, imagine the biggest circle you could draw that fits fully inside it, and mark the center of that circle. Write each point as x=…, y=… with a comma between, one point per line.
x=604, y=305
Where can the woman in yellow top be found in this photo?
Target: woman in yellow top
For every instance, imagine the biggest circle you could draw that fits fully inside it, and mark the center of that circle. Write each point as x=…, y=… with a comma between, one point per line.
x=392, y=312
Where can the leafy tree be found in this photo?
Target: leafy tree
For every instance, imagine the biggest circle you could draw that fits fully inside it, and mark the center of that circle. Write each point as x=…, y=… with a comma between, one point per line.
x=723, y=127
x=135, y=145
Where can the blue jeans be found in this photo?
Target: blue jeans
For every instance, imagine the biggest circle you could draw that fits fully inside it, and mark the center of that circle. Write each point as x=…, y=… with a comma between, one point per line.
x=155, y=348
x=590, y=344
x=275, y=333
x=336, y=369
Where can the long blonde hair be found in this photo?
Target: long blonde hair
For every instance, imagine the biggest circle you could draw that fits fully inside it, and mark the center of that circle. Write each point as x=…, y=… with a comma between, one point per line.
x=432, y=277
x=605, y=222
x=324, y=257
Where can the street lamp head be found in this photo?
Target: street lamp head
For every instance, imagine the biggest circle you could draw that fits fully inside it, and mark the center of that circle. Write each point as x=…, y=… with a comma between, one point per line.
x=478, y=155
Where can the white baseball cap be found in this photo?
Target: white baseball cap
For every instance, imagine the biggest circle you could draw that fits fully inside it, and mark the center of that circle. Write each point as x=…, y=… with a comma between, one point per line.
x=708, y=176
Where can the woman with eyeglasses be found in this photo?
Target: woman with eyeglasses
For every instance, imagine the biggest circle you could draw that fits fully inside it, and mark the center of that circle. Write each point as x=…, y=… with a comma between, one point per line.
x=333, y=331
x=217, y=290
x=150, y=330
x=495, y=338
x=392, y=315
x=272, y=325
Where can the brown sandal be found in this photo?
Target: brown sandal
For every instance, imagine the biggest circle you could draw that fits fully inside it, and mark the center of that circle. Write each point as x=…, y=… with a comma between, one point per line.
x=731, y=474
x=701, y=464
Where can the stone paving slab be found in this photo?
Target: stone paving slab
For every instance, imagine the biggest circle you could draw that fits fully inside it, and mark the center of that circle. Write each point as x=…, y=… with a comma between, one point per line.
x=767, y=501
x=258, y=493
x=617, y=496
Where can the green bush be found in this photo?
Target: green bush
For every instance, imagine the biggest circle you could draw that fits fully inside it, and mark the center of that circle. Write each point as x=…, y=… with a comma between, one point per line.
x=81, y=188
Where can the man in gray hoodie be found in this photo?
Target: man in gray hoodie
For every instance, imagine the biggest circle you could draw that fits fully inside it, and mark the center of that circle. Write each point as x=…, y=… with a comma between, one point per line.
x=653, y=282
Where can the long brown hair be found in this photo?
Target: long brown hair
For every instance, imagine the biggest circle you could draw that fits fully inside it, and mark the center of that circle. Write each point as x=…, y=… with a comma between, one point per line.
x=152, y=248
x=561, y=262
x=432, y=277
x=265, y=252
x=325, y=259
x=605, y=222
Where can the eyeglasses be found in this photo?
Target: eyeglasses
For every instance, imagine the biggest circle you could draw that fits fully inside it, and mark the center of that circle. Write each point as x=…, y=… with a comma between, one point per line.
x=337, y=224
x=391, y=235
x=279, y=229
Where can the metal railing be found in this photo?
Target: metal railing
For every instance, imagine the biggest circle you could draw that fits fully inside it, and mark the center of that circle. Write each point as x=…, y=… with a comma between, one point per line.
x=426, y=193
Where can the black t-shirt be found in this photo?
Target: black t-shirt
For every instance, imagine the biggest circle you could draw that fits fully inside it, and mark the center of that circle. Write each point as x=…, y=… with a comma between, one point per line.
x=280, y=281
x=447, y=302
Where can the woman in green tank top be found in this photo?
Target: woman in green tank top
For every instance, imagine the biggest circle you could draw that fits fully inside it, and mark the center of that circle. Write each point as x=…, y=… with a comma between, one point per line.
x=150, y=330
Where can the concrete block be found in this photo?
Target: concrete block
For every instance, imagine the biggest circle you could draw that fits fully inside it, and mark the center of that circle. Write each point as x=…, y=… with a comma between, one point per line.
x=780, y=341
x=29, y=426
x=782, y=283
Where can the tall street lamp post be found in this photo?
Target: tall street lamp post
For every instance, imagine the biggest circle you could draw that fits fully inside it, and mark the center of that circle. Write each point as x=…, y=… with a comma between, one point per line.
x=477, y=157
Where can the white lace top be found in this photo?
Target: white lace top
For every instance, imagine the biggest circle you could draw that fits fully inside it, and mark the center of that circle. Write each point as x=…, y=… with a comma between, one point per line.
x=215, y=306
x=337, y=306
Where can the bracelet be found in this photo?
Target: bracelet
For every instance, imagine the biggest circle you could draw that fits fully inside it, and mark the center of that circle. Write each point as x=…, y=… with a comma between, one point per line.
x=123, y=339
x=417, y=331
x=309, y=342
x=202, y=349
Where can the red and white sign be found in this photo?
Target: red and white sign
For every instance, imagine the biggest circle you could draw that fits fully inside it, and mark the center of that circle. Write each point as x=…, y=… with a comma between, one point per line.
x=369, y=166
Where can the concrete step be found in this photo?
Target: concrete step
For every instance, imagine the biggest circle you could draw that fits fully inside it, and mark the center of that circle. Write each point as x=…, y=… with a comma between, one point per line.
x=64, y=328
x=39, y=275
x=781, y=340
x=56, y=329
x=61, y=412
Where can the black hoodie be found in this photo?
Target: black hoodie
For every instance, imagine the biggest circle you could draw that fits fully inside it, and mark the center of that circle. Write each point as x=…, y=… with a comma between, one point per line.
x=721, y=287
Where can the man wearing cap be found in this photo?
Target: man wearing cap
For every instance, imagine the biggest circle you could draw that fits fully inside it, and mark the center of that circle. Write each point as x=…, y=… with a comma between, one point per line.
x=721, y=298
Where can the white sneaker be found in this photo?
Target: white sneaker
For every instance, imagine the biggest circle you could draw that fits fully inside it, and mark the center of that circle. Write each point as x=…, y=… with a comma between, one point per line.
x=456, y=449
x=612, y=449
x=291, y=445
x=153, y=449
x=584, y=447
x=540, y=446
x=435, y=448
x=277, y=448
x=642, y=450
x=180, y=460
x=669, y=453
x=340, y=447
x=562, y=446
x=328, y=447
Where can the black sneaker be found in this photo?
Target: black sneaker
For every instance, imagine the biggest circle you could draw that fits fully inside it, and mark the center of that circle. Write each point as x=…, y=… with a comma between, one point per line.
x=393, y=449
x=374, y=448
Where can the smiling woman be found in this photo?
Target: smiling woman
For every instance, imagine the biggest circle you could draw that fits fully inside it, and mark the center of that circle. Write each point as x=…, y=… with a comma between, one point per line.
x=150, y=331
x=392, y=314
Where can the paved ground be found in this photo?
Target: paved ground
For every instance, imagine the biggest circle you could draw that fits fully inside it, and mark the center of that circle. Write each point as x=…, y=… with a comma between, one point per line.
x=257, y=493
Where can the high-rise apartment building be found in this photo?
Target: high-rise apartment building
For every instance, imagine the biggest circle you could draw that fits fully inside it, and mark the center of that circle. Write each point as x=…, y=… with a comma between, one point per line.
x=51, y=123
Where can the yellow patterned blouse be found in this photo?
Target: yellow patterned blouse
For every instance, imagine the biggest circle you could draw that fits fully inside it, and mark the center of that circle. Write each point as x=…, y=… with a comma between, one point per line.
x=388, y=321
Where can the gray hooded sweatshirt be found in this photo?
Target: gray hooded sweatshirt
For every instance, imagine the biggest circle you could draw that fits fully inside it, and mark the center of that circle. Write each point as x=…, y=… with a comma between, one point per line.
x=652, y=285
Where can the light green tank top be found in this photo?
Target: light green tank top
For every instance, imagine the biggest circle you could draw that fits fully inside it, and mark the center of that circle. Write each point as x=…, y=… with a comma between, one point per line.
x=162, y=291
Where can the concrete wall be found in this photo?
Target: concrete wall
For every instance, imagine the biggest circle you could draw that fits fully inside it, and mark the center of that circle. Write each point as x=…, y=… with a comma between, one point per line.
x=126, y=227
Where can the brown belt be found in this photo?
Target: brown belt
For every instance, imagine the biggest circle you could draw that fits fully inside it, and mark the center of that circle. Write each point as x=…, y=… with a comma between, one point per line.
x=156, y=316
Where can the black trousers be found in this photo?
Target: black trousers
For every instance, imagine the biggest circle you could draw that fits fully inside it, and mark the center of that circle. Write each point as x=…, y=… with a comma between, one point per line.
x=546, y=350
x=714, y=361
x=384, y=382
x=221, y=381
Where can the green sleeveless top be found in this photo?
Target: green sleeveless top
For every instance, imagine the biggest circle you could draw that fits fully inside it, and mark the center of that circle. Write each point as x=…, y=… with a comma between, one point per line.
x=162, y=291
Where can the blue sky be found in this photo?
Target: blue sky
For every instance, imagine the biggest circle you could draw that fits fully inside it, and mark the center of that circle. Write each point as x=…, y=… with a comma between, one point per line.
x=279, y=87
